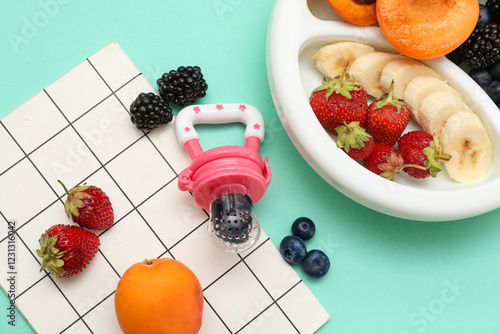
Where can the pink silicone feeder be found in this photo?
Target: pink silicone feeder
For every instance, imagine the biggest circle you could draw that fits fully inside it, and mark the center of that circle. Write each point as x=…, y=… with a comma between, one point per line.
x=226, y=181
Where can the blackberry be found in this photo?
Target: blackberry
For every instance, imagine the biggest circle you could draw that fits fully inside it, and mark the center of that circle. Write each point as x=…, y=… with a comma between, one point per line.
x=149, y=111
x=182, y=86
x=482, y=48
x=494, y=7
x=232, y=217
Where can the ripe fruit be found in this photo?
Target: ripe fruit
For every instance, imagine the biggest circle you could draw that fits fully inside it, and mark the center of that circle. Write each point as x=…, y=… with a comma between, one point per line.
x=401, y=71
x=354, y=140
x=385, y=161
x=426, y=28
x=367, y=70
x=316, y=263
x=494, y=7
x=420, y=88
x=332, y=59
x=293, y=249
x=481, y=49
x=149, y=111
x=387, y=118
x=482, y=76
x=89, y=207
x=437, y=107
x=66, y=250
x=360, y=12
x=422, y=149
x=339, y=100
x=485, y=16
x=304, y=228
x=464, y=137
x=182, y=86
x=159, y=296
x=493, y=91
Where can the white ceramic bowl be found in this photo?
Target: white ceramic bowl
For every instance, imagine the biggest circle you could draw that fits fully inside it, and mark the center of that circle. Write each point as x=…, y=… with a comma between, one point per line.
x=294, y=35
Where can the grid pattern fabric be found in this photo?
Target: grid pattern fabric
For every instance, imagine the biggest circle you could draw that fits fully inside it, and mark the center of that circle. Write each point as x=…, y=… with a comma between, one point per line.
x=78, y=130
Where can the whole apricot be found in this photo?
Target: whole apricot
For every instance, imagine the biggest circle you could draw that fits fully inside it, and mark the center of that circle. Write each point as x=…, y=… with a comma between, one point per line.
x=159, y=296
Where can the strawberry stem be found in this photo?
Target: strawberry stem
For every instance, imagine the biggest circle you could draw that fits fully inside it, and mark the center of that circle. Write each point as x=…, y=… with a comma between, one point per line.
x=66, y=190
x=341, y=84
x=414, y=166
x=388, y=99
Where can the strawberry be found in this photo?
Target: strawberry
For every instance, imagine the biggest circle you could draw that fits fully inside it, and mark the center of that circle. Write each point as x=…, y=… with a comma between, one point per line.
x=339, y=100
x=385, y=161
x=89, y=207
x=421, y=148
x=354, y=140
x=67, y=249
x=387, y=118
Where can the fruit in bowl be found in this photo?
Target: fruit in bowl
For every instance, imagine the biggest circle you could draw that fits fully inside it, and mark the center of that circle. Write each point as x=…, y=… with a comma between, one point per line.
x=435, y=106
x=292, y=82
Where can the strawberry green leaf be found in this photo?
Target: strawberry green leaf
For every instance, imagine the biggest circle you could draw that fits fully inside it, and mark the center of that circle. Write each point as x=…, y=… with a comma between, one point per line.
x=51, y=256
x=351, y=136
x=389, y=100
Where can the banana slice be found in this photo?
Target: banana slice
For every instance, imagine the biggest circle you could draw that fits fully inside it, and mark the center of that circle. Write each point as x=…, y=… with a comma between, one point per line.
x=366, y=69
x=436, y=108
x=402, y=71
x=419, y=88
x=466, y=140
x=332, y=59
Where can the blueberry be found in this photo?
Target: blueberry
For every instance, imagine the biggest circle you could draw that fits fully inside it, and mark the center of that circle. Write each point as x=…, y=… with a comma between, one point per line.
x=316, y=264
x=293, y=249
x=495, y=71
x=304, y=228
x=485, y=16
x=481, y=76
x=493, y=91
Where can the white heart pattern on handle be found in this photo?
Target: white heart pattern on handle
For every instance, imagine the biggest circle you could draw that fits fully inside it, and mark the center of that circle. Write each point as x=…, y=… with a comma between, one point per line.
x=218, y=114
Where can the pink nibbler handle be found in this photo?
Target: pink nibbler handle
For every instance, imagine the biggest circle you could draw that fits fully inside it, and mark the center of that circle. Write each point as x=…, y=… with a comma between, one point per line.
x=218, y=114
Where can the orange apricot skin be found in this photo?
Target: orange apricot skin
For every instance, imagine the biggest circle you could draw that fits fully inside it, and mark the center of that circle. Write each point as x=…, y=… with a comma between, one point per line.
x=355, y=12
x=425, y=29
x=162, y=297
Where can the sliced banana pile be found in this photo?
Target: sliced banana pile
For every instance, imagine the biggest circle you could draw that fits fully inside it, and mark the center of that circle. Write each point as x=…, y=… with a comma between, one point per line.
x=436, y=106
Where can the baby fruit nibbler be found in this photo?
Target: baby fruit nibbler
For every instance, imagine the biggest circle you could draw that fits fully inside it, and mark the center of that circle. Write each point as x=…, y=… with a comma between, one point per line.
x=225, y=180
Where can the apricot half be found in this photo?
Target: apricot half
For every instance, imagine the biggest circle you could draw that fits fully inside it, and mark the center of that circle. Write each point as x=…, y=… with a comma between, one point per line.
x=426, y=28
x=360, y=12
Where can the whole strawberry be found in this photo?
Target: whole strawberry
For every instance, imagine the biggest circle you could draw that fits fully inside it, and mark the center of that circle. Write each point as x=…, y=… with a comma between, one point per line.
x=89, y=207
x=354, y=140
x=339, y=100
x=67, y=249
x=420, y=148
x=385, y=161
x=387, y=118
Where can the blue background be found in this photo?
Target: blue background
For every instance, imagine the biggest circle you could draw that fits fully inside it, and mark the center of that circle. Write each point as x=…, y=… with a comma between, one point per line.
x=388, y=275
